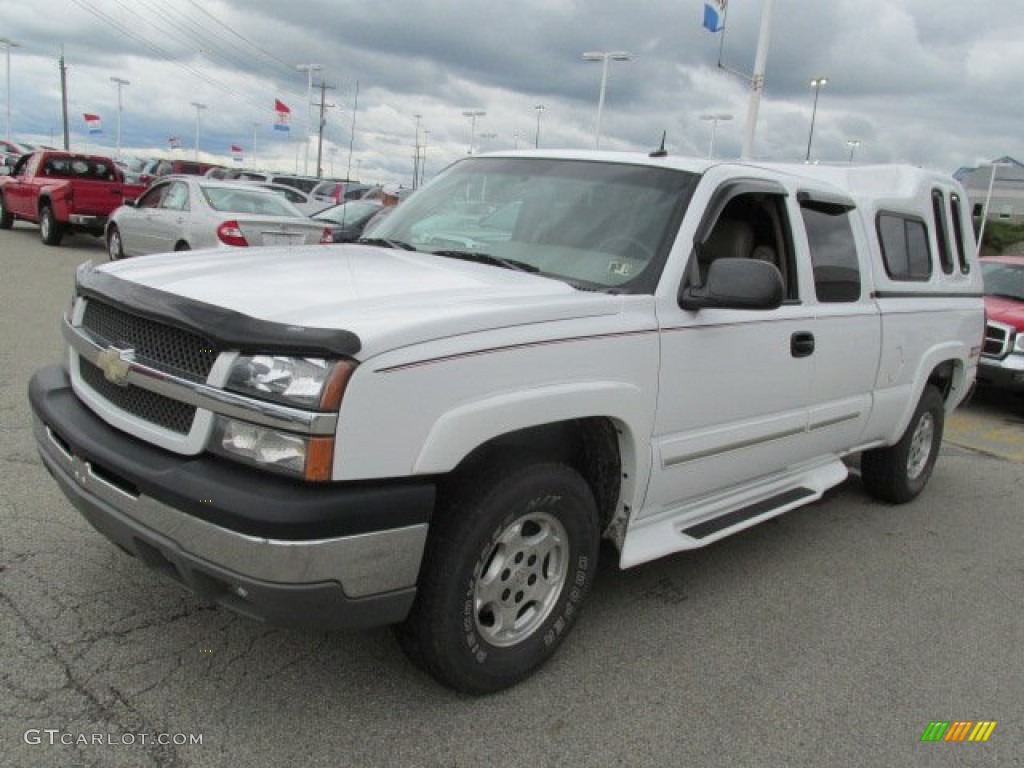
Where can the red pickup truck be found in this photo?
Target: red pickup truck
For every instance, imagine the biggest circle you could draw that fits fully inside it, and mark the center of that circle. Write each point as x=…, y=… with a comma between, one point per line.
x=64, y=192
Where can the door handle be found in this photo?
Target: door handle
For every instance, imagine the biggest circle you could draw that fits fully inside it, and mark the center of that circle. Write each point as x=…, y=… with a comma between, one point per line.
x=801, y=344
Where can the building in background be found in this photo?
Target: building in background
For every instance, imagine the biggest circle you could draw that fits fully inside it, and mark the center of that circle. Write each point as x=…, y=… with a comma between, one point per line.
x=1007, y=203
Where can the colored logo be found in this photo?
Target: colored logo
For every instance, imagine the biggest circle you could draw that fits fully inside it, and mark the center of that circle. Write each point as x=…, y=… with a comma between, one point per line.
x=959, y=730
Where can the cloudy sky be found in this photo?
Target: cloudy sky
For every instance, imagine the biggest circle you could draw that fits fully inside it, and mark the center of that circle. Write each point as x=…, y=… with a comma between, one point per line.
x=928, y=82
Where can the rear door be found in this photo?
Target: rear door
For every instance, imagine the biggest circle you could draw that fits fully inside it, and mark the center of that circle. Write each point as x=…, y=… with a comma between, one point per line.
x=847, y=326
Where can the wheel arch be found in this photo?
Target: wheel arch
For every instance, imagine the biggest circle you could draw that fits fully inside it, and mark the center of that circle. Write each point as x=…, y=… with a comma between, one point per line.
x=590, y=445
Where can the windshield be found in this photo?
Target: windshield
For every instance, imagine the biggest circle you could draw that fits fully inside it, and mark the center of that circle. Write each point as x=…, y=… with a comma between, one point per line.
x=1003, y=279
x=233, y=200
x=595, y=225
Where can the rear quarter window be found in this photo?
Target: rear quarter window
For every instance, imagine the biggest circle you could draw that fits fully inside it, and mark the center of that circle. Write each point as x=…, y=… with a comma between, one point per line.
x=905, y=251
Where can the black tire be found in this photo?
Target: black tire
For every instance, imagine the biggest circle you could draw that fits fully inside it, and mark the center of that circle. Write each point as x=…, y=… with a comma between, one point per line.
x=899, y=472
x=519, y=544
x=182, y=246
x=6, y=217
x=115, y=246
x=51, y=231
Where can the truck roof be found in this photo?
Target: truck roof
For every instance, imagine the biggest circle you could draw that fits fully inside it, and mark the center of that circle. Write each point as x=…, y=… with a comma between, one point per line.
x=859, y=181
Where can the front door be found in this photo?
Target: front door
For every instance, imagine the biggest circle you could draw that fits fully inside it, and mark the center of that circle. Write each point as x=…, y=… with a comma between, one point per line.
x=735, y=384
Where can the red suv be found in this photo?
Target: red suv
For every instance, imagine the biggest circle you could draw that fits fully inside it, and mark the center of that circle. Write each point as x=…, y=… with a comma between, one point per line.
x=1002, y=358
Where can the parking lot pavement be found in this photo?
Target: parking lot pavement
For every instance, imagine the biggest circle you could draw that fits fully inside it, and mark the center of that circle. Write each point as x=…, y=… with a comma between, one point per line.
x=831, y=637
x=993, y=423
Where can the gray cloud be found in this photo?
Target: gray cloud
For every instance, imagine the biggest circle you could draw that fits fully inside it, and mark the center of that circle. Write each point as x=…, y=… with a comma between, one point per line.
x=920, y=81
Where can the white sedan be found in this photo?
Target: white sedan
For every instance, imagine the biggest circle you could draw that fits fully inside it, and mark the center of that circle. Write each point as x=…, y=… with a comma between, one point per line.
x=186, y=213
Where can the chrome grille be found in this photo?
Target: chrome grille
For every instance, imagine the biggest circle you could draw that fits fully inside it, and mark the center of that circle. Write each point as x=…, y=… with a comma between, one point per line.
x=162, y=346
x=156, y=409
x=998, y=340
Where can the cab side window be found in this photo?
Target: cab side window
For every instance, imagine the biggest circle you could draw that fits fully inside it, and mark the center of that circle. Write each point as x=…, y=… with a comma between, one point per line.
x=904, y=241
x=753, y=226
x=833, y=251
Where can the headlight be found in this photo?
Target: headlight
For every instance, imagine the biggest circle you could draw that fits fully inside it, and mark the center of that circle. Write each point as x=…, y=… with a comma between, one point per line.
x=309, y=458
x=1018, y=345
x=304, y=382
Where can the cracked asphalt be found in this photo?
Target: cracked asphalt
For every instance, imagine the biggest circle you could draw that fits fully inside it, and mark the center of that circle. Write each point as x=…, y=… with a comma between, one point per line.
x=832, y=636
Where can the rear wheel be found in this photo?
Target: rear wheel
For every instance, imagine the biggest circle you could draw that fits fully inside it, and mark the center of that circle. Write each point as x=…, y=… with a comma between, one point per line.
x=899, y=472
x=509, y=560
x=115, y=248
x=6, y=217
x=50, y=230
x=182, y=246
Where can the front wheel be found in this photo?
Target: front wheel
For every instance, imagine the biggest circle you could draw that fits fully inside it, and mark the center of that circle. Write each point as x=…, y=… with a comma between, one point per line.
x=508, y=563
x=899, y=472
x=50, y=230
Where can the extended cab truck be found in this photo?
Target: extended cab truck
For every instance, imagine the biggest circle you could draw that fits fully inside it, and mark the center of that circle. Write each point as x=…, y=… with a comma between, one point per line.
x=63, y=192
x=435, y=432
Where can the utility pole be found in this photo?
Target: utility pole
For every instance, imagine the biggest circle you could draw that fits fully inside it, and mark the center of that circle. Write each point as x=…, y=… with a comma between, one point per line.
x=320, y=139
x=64, y=100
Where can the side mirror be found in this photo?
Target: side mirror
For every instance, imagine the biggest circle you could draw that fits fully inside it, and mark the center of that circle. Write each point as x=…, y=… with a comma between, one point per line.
x=131, y=203
x=736, y=284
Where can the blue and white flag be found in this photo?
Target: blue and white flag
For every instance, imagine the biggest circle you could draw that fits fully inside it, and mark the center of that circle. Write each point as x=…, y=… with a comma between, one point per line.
x=714, y=15
x=92, y=122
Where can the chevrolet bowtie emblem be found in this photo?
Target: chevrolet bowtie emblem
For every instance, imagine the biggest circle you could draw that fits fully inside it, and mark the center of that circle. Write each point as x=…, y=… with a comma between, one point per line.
x=115, y=364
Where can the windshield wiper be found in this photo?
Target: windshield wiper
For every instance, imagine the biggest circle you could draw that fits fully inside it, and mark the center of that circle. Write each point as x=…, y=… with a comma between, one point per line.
x=486, y=258
x=386, y=243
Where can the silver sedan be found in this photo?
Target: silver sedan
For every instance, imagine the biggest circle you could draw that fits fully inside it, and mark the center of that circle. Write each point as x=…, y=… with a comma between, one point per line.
x=186, y=213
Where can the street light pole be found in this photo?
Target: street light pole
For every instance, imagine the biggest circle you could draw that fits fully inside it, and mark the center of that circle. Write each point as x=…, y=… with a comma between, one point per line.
x=416, y=155
x=252, y=155
x=852, y=144
x=816, y=84
x=423, y=161
x=309, y=69
x=120, y=83
x=714, y=127
x=536, y=139
x=472, y=114
x=604, y=57
x=7, y=43
x=199, y=108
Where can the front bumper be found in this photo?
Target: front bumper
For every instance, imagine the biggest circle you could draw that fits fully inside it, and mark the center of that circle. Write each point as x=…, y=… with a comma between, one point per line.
x=1007, y=373
x=289, y=553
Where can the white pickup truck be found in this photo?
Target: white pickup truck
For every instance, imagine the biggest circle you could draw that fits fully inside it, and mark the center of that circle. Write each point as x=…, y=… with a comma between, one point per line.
x=435, y=426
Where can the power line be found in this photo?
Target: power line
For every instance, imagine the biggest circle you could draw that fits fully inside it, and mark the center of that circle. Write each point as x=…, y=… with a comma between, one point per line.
x=284, y=64
x=127, y=31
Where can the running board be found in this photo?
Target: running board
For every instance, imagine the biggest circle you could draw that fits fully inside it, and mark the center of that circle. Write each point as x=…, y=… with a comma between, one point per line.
x=704, y=521
x=709, y=527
